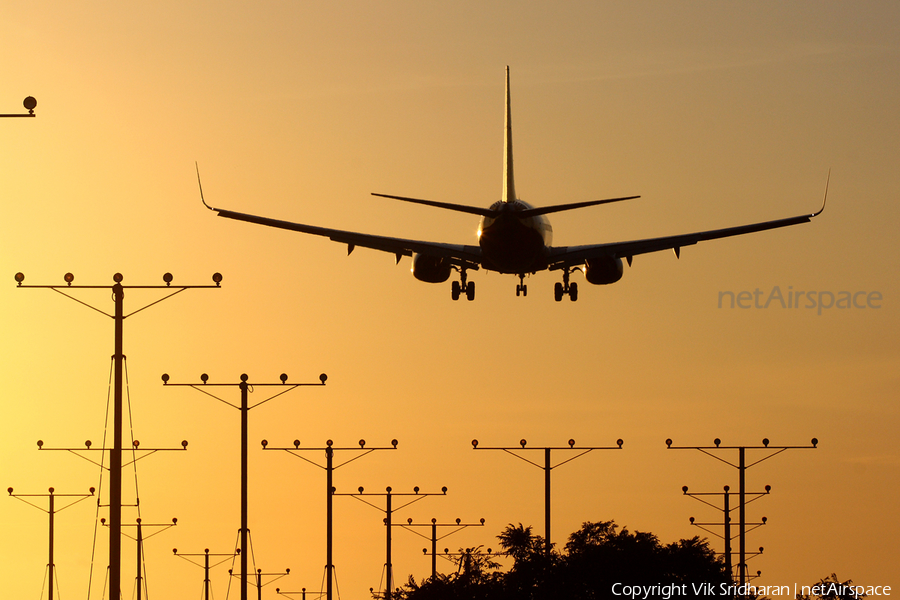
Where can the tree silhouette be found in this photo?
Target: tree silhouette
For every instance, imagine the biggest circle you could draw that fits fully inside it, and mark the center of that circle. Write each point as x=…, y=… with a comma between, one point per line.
x=596, y=557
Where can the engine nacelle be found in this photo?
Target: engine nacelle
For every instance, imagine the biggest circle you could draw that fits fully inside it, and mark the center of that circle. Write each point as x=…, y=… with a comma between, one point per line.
x=431, y=269
x=600, y=271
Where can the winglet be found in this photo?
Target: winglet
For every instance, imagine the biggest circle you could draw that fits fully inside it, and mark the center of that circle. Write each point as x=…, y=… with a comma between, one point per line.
x=201, y=187
x=825, y=196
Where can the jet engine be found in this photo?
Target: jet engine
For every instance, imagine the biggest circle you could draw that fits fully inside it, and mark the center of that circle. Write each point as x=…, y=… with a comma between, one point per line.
x=603, y=270
x=431, y=269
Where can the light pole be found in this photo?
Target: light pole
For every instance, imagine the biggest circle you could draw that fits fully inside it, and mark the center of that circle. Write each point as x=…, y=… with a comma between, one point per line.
x=458, y=526
x=206, y=566
x=742, y=467
x=389, y=511
x=139, y=538
x=329, y=468
x=115, y=453
x=547, y=467
x=51, y=510
x=245, y=387
x=726, y=514
x=260, y=584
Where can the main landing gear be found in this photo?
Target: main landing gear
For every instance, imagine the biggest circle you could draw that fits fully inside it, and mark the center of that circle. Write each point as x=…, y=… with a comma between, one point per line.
x=566, y=288
x=521, y=288
x=458, y=287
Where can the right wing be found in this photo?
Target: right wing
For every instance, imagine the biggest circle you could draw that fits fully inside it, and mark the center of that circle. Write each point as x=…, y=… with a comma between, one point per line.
x=570, y=256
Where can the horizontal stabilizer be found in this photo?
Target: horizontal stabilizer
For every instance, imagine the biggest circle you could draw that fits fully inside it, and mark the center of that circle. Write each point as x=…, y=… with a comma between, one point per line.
x=488, y=212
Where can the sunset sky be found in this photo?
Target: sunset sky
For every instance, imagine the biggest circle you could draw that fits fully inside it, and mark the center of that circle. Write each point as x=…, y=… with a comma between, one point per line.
x=715, y=113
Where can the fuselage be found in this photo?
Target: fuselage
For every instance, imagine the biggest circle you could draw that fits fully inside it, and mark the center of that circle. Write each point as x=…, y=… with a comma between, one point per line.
x=510, y=244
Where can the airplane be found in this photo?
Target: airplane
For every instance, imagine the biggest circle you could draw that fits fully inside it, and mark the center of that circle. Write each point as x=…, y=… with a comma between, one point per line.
x=513, y=238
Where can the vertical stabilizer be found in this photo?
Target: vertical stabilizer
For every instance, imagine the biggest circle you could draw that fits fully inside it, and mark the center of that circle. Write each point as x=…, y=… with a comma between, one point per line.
x=509, y=186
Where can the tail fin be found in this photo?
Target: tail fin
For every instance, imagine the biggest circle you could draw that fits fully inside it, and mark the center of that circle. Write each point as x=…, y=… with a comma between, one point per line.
x=509, y=186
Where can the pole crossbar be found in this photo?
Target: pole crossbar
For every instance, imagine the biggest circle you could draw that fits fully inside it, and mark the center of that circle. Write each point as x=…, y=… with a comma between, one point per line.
x=29, y=103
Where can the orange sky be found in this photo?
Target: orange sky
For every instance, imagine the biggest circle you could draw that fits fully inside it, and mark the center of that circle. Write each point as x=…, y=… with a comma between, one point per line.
x=717, y=114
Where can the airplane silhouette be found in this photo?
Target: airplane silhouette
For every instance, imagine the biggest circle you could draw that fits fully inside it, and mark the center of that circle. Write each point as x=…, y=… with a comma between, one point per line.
x=513, y=238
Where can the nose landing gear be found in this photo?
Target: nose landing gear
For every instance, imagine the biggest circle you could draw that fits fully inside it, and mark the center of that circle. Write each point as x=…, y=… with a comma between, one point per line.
x=458, y=287
x=566, y=288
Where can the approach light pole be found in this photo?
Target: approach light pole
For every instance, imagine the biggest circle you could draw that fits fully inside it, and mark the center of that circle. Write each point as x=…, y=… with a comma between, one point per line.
x=547, y=467
x=458, y=526
x=389, y=511
x=51, y=510
x=115, y=453
x=206, y=566
x=329, y=468
x=245, y=387
x=742, y=467
x=260, y=584
x=726, y=514
x=141, y=581
x=29, y=103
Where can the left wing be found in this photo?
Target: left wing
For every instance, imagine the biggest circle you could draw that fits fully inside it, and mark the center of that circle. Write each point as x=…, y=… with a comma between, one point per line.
x=569, y=256
x=461, y=255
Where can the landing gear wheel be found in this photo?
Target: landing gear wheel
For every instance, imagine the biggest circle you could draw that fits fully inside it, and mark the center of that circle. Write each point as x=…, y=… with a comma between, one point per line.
x=565, y=288
x=455, y=290
x=470, y=291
